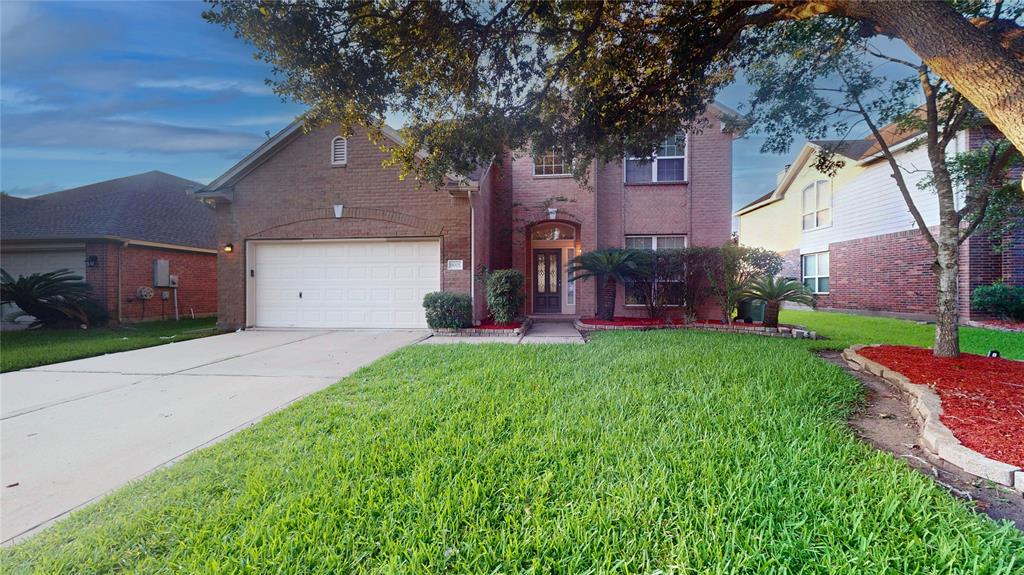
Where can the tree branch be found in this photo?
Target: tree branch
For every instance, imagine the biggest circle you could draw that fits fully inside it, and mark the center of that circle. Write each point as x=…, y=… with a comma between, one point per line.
x=897, y=173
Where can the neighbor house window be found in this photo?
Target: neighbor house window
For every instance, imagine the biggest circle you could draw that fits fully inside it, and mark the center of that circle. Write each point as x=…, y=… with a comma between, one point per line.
x=339, y=151
x=667, y=164
x=817, y=205
x=815, y=268
x=550, y=163
x=634, y=293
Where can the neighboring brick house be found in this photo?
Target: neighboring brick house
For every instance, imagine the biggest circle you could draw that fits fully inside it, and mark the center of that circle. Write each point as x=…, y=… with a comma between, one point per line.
x=314, y=232
x=112, y=233
x=852, y=240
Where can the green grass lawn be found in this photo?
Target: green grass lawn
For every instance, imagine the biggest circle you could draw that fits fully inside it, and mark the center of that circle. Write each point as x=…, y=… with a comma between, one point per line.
x=31, y=348
x=844, y=330
x=641, y=452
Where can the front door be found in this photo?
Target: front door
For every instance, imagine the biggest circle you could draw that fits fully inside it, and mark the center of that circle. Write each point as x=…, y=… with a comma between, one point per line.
x=547, y=284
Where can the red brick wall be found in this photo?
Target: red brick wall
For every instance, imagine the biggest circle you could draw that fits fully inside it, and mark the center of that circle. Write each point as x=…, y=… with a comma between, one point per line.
x=197, y=273
x=290, y=196
x=885, y=273
x=197, y=284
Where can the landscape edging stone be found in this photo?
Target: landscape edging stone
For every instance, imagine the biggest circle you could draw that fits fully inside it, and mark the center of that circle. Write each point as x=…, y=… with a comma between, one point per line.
x=936, y=438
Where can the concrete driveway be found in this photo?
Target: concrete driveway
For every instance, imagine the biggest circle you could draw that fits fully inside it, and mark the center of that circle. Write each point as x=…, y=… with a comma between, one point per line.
x=73, y=431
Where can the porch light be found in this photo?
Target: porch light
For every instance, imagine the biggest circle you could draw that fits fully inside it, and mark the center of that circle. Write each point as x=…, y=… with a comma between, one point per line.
x=579, y=250
x=228, y=248
x=552, y=213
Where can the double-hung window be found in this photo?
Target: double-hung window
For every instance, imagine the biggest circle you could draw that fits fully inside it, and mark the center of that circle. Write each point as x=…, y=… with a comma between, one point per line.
x=551, y=163
x=815, y=272
x=817, y=201
x=674, y=291
x=667, y=164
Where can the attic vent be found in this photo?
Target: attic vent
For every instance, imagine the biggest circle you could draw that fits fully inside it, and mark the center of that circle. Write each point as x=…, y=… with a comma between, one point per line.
x=339, y=151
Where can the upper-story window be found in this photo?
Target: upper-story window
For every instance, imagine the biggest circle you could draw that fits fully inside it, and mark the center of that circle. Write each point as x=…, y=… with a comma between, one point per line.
x=817, y=200
x=668, y=164
x=550, y=163
x=339, y=151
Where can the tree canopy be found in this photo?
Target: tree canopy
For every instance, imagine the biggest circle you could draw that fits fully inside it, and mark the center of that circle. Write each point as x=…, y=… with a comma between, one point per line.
x=597, y=79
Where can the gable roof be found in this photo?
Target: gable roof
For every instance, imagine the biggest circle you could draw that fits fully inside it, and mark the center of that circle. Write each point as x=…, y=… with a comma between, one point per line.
x=152, y=207
x=757, y=201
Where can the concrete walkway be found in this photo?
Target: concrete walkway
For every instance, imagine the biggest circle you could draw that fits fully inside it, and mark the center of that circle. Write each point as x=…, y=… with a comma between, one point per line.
x=540, y=332
x=71, y=432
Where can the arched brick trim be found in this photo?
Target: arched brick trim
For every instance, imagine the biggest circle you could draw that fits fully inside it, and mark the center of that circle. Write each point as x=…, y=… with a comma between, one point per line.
x=427, y=227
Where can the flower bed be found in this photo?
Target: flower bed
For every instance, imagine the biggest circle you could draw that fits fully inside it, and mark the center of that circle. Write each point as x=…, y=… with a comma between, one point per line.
x=643, y=323
x=982, y=397
x=488, y=329
x=1000, y=324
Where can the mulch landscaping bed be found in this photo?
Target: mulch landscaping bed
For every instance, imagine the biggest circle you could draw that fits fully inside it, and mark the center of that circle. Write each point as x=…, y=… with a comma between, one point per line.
x=1002, y=324
x=513, y=325
x=982, y=397
x=625, y=322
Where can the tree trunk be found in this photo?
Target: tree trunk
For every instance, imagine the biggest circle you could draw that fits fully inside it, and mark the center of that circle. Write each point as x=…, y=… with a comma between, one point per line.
x=947, y=317
x=972, y=60
x=771, y=313
x=607, y=309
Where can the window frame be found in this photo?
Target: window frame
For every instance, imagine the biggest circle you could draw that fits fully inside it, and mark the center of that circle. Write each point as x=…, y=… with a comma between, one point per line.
x=817, y=276
x=654, y=246
x=538, y=162
x=816, y=210
x=334, y=158
x=653, y=158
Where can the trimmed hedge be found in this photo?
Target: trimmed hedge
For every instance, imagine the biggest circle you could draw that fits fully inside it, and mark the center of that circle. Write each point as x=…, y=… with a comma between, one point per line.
x=1003, y=300
x=505, y=295
x=448, y=310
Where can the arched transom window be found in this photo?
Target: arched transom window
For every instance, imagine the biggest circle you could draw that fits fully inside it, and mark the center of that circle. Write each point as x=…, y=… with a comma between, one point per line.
x=553, y=232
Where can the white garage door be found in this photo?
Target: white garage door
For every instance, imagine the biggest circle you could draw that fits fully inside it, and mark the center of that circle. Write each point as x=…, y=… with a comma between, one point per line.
x=343, y=284
x=41, y=261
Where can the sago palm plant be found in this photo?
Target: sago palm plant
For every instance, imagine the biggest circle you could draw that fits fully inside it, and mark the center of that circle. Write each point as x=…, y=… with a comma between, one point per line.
x=774, y=291
x=52, y=298
x=608, y=267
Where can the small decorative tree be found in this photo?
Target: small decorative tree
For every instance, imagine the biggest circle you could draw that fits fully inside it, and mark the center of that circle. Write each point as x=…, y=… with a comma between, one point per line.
x=608, y=267
x=505, y=295
x=774, y=291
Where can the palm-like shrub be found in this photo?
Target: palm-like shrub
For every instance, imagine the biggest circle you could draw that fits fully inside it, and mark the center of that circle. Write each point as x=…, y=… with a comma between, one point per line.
x=608, y=267
x=53, y=298
x=774, y=291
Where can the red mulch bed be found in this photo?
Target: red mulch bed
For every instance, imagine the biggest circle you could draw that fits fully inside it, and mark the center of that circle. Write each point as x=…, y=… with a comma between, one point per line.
x=982, y=397
x=625, y=321
x=1004, y=323
x=739, y=324
x=513, y=325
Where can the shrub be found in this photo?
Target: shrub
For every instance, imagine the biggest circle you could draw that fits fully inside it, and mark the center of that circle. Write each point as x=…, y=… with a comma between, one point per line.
x=448, y=310
x=54, y=298
x=776, y=290
x=505, y=294
x=608, y=267
x=673, y=277
x=735, y=267
x=1003, y=300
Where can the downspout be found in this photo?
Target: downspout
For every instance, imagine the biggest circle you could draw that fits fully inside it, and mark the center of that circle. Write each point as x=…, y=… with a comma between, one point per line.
x=120, y=274
x=472, y=254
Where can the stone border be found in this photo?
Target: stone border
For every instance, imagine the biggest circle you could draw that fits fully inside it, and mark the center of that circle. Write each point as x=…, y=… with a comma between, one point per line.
x=782, y=331
x=477, y=332
x=935, y=436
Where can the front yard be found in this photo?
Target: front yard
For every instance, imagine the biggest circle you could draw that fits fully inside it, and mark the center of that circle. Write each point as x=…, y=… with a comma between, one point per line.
x=665, y=451
x=31, y=348
x=844, y=330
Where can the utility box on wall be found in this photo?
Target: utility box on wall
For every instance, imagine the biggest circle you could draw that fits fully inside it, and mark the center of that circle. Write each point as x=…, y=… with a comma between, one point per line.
x=161, y=273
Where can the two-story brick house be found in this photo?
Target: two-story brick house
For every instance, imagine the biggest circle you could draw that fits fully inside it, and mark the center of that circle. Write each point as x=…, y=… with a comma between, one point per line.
x=314, y=232
x=852, y=240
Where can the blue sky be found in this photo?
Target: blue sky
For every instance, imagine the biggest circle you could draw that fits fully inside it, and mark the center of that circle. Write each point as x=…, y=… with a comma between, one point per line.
x=98, y=90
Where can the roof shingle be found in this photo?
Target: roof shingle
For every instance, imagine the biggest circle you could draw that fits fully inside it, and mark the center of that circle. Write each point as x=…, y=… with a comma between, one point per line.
x=153, y=207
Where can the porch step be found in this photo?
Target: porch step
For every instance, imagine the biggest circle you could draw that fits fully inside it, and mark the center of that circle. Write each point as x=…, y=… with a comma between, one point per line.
x=551, y=317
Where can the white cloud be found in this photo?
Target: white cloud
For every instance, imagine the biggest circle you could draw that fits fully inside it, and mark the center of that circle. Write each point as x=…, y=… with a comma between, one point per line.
x=204, y=84
x=18, y=101
x=123, y=135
